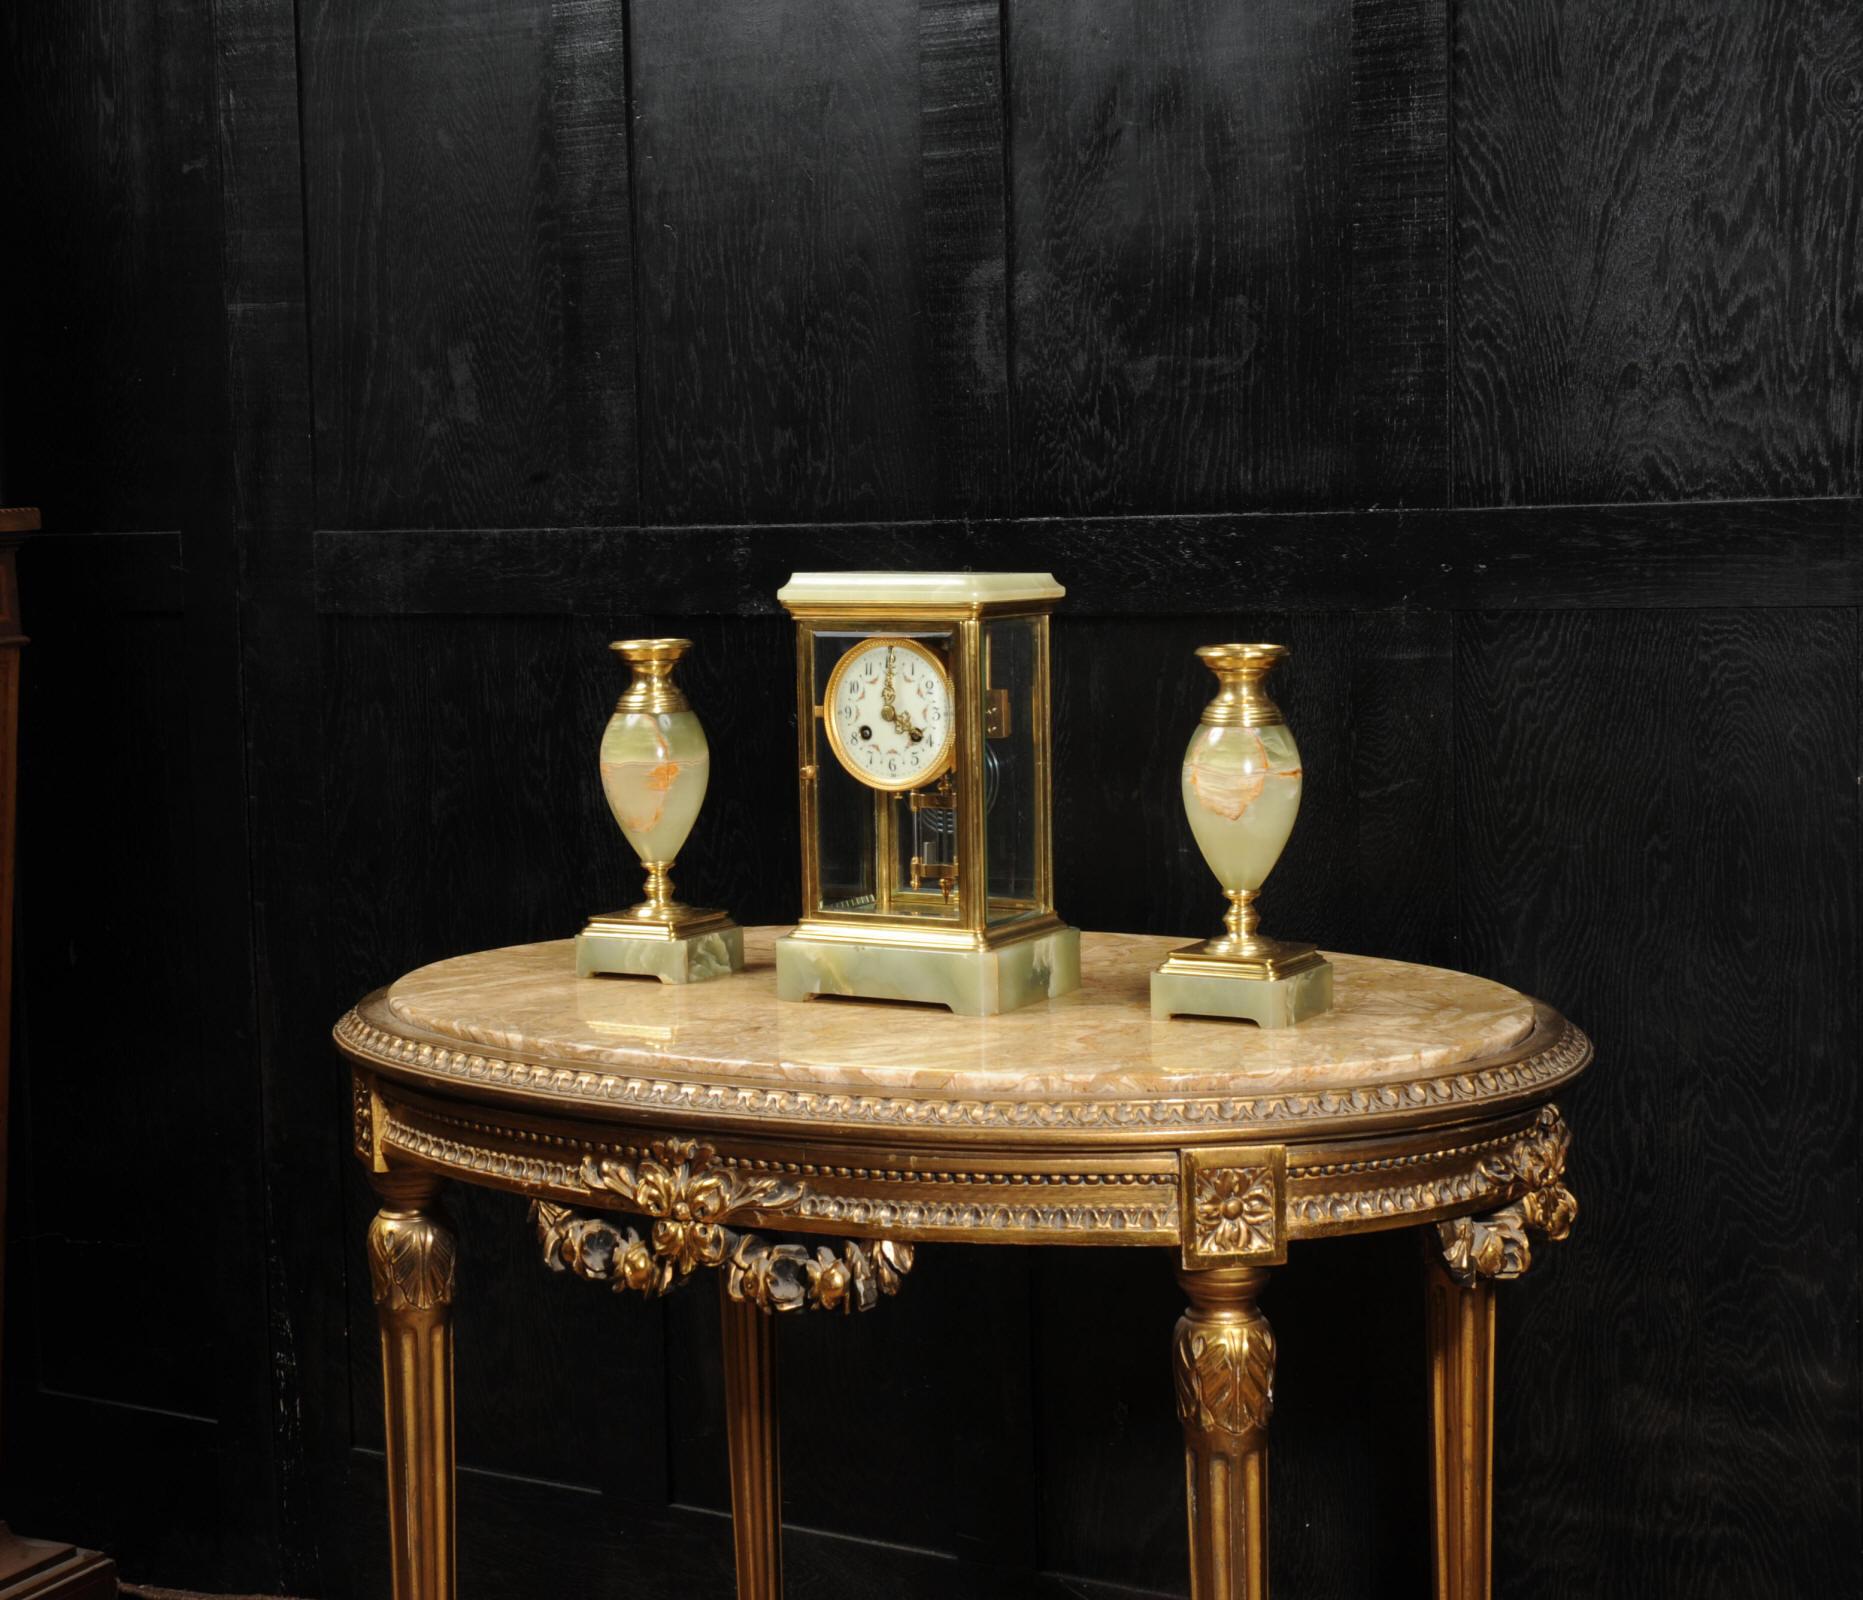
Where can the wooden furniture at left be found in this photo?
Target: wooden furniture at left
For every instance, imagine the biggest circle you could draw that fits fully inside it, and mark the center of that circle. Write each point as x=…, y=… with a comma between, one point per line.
x=30, y=1569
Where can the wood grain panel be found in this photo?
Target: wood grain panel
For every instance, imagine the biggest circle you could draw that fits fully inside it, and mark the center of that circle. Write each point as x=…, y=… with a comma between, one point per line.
x=1347, y=1512
x=821, y=258
x=872, y=1407
x=1763, y=553
x=463, y=809
x=512, y=1542
x=1127, y=694
x=265, y=482
x=466, y=188
x=122, y=882
x=1181, y=213
x=1402, y=775
x=1400, y=249
x=1656, y=249
x=110, y=341
x=1660, y=826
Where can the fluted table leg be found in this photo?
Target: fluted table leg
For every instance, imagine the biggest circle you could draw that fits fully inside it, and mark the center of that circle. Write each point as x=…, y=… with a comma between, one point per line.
x=1461, y=1346
x=756, y=1467
x=1224, y=1365
x=411, y=1256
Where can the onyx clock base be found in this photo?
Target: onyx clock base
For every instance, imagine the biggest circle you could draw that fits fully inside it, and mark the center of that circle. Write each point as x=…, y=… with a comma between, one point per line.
x=972, y=982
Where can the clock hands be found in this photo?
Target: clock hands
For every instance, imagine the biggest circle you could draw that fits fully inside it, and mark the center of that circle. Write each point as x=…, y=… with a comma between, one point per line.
x=889, y=712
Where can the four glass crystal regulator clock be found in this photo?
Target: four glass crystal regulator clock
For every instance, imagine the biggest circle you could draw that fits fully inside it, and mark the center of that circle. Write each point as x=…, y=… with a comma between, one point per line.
x=922, y=722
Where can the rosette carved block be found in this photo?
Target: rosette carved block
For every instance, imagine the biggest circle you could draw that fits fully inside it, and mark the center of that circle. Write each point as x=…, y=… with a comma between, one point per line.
x=1223, y=1363
x=411, y=1271
x=1234, y=1205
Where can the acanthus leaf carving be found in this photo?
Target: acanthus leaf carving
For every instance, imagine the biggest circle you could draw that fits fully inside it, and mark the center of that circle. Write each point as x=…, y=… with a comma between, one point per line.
x=412, y=1258
x=1225, y=1375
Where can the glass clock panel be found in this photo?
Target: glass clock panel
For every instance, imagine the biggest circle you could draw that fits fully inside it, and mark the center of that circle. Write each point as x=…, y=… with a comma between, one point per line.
x=884, y=754
x=845, y=838
x=1012, y=723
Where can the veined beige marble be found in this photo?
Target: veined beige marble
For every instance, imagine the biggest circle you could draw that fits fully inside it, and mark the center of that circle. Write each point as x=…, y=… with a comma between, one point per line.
x=1391, y=1022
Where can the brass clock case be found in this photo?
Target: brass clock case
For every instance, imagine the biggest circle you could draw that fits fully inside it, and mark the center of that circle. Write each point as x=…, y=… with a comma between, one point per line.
x=914, y=780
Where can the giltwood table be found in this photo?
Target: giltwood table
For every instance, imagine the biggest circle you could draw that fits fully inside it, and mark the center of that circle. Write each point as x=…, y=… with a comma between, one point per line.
x=709, y=1111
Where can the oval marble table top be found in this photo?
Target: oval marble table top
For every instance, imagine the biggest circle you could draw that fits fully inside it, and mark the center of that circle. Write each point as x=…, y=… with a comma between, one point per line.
x=1401, y=1039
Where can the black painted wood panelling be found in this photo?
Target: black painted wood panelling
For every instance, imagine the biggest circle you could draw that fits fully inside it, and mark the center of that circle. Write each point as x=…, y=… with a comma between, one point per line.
x=1771, y=553
x=472, y=327
x=1659, y=817
x=1656, y=250
x=461, y=336
x=268, y=484
x=1400, y=239
x=1181, y=338
x=113, y=412
x=110, y=191
x=818, y=186
x=121, y=878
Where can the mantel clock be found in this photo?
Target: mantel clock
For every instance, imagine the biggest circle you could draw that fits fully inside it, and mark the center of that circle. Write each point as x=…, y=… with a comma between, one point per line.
x=922, y=735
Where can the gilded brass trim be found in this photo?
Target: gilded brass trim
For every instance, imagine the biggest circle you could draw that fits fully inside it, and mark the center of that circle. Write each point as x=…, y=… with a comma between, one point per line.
x=774, y=1278
x=1498, y=1245
x=659, y=919
x=1091, y=1198
x=1554, y=1052
x=652, y=689
x=927, y=933
x=1041, y=723
x=1064, y=1205
x=973, y=893
x=912, y=647
x=1242, y=700
x=1353, y=1196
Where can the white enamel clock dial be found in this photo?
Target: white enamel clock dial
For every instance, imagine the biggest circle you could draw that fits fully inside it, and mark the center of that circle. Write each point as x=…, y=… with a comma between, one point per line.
x=890, y=716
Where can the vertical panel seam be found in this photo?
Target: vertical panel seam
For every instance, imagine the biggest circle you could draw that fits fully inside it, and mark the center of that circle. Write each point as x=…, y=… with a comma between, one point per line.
x=633, y=263
x=1450, y=268
x=1012, y=409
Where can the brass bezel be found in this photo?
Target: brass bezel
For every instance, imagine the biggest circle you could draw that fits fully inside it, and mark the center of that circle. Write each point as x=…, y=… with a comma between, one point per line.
x=863, y=644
